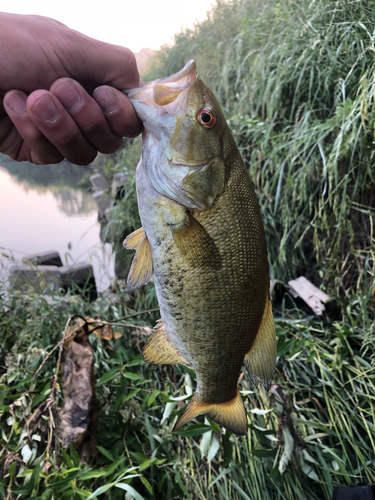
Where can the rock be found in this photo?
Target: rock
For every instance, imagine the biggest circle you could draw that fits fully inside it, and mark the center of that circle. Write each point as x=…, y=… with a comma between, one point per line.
x=104, y=203
x=80, y=275
x=48, y=258
x=46, y=280
x=99, y=183
x=24, y=276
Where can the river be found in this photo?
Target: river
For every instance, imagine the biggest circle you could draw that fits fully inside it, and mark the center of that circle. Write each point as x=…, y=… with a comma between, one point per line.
x=41, y=208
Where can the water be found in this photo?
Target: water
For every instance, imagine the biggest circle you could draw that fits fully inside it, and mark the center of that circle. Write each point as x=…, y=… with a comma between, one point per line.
x=42, y=209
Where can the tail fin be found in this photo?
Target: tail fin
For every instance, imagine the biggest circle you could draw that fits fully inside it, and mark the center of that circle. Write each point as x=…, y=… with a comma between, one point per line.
x=231, y=414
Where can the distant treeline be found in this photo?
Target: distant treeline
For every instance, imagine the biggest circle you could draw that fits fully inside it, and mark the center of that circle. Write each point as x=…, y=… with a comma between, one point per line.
x=65, y=174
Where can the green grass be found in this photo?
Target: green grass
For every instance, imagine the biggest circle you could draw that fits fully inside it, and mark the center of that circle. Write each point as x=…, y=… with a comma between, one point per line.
x=313, y=432
x=296, y=83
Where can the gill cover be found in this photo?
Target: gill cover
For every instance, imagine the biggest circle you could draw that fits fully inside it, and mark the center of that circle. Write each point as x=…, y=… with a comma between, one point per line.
x=182, y=157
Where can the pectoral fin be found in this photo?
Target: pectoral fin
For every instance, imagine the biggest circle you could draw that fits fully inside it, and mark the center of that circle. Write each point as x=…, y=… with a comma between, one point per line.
x=141, y=270
x=133, y=239
x=159, y=350
x=230, y=414
x=195, y=243
x=261, y=358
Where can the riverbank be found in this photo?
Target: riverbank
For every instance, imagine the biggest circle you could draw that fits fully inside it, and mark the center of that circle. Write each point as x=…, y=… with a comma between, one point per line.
x=44, y=208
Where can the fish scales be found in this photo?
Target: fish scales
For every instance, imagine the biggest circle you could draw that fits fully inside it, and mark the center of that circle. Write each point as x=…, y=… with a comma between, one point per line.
x=207, y=246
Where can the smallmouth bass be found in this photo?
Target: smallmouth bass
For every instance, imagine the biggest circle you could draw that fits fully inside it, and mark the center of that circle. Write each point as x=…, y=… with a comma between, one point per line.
x=202, y=239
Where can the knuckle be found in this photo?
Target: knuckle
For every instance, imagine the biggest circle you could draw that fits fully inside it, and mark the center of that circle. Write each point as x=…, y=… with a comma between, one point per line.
x=131, y=60
x=56, y=86
x=82, y=158
x=94, y=128
x=110, y=146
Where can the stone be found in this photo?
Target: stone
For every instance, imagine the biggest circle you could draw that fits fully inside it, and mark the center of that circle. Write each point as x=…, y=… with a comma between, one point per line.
x=48, y=258
x=99, y=183
x=78, y=277
x=24, y=276
x=104, y=203
x=81, y=276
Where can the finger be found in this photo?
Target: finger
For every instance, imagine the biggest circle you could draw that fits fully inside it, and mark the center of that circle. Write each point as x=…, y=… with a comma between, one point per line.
x=119, y=112
x=34, y=147
x=10, y=139
x=55, y=123
x=87, y=114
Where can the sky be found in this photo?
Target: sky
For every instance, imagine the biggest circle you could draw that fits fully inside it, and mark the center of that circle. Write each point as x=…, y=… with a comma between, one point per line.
x=135, y=24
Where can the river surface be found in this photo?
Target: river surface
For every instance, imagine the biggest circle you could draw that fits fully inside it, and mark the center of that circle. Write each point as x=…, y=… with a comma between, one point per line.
x=42, y=209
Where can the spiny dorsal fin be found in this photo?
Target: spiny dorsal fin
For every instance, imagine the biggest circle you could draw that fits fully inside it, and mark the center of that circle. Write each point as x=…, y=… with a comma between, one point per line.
x=231, y=414
x=141, y=270
x=261, y=358
x=159, y=349
x=195, y=243
x=133, y=239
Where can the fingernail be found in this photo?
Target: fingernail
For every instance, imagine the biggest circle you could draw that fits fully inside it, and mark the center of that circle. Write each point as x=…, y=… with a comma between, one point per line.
x=69, y=96
x=106, y=99
x=46, y=109
x=16, y=102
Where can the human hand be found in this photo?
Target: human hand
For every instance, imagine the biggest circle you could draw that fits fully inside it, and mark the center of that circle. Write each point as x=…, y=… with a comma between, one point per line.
x=58, y=92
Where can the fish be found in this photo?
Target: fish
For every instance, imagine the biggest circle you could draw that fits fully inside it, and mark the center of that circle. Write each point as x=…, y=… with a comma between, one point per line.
x=202, y=240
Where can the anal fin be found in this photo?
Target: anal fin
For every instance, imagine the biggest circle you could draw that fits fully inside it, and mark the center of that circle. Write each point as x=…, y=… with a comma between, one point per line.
x=231, y=414
x=159, y=349
x=195, y=243
x=141, y=270
x=261, y=358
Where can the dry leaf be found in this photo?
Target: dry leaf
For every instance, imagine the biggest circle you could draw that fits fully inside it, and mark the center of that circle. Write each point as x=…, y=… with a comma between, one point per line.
x=78, y=422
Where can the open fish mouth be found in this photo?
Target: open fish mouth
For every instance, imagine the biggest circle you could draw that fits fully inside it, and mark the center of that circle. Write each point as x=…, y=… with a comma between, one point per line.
x=180, y=80
x=165, y=90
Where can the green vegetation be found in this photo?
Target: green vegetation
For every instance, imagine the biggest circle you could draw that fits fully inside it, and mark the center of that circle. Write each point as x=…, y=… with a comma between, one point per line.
x=296, y=83
x=296, y=80
x=314, y=432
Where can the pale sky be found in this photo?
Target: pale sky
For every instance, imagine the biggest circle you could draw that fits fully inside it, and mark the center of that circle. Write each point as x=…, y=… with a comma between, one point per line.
x=131, y=23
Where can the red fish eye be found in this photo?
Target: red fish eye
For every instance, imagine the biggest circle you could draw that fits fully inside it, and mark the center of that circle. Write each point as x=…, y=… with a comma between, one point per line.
x=206, y=118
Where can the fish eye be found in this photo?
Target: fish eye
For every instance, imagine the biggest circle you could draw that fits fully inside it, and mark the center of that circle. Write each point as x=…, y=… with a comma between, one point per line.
x=206, y=118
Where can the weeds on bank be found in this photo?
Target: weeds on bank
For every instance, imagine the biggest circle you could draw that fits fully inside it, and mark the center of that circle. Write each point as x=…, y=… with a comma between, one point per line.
x=314, y=431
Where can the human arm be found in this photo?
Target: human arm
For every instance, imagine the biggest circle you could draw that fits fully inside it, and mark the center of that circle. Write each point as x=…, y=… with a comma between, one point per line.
x=59, y=94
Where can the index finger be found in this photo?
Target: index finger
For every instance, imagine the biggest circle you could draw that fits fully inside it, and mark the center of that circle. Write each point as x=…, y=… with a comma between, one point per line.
x=118, y=111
